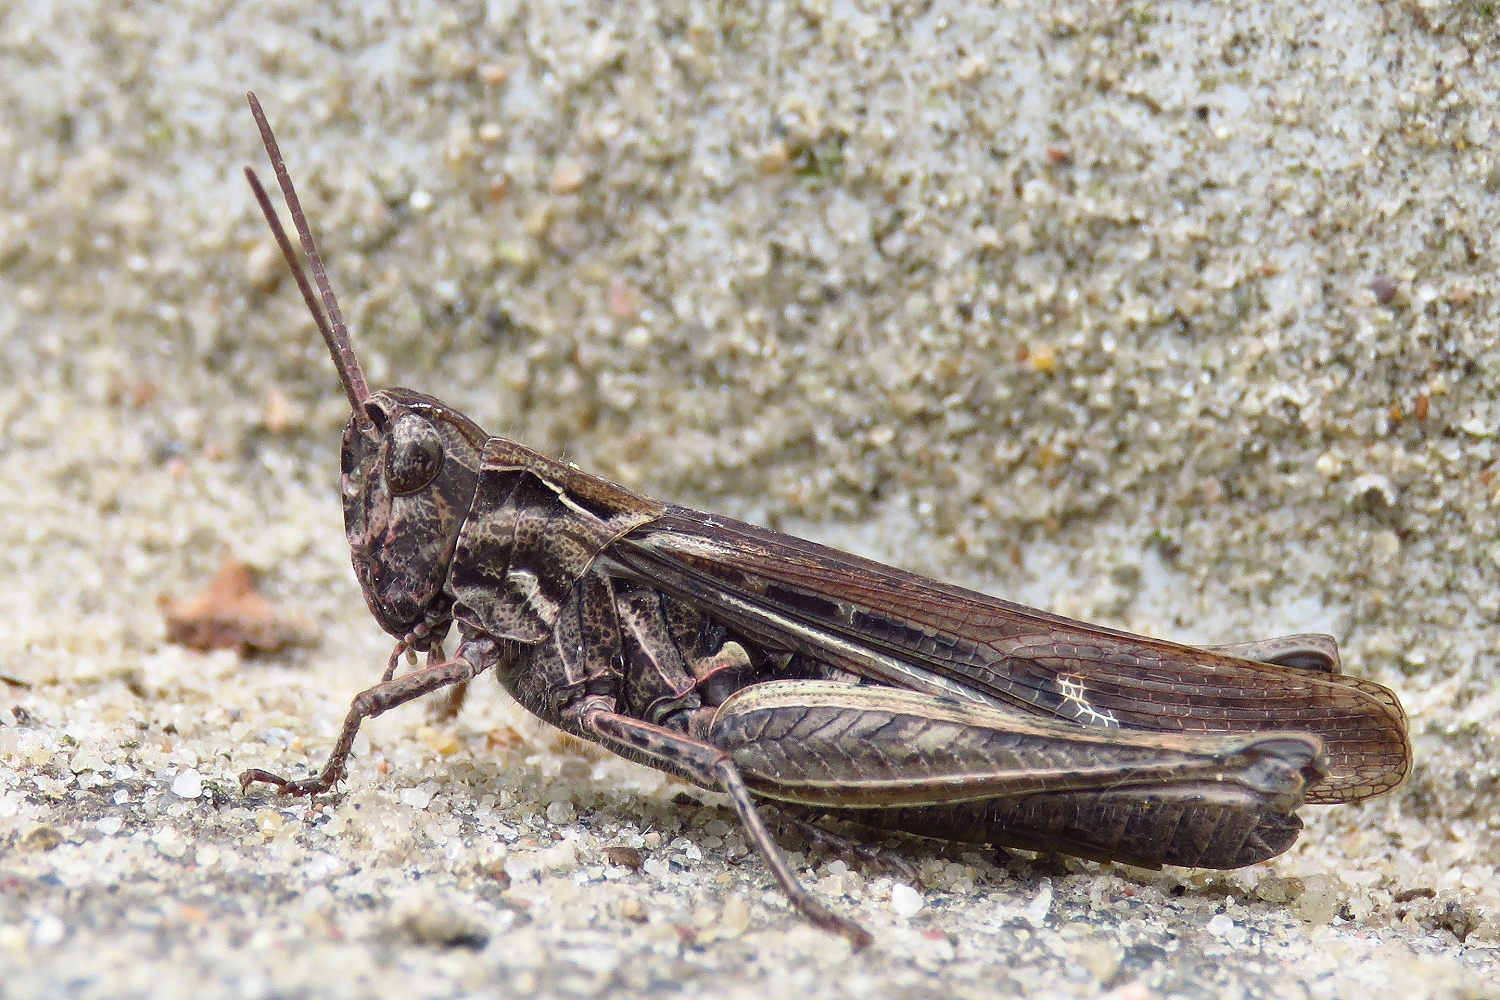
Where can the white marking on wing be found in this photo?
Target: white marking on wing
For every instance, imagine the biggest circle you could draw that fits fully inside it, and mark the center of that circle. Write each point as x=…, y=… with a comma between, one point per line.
x=1073, y=696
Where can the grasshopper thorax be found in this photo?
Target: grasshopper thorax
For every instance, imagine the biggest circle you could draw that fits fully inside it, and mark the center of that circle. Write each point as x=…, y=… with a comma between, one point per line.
x=409, y=464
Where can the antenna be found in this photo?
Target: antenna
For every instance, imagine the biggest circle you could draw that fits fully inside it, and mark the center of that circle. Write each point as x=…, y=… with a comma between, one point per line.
x=335, y=333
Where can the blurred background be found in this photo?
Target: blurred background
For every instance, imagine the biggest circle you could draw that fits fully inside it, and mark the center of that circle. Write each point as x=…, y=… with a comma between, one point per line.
x=1177, y=317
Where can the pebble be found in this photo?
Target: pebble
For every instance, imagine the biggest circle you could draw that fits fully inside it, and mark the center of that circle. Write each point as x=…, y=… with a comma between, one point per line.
x=1384, y=287
x=43, y=838
x=1319, y=901
x=442, y=922
x=568, y=176
x=626, y=857
x=169, y=842
x=1276, y=889
x=48, y=931
x=1225, y=929
x=1036, y=911
x=736, y=916
x=188, y=784
x=418, y=798
x=906, y=901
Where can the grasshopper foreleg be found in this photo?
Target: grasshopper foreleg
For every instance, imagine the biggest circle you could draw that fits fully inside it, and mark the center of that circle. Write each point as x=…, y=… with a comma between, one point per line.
x=367, y=705
x=713, y=768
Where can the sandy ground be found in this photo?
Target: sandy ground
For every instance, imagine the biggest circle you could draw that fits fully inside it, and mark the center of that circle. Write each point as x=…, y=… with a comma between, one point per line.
x=1180, y=317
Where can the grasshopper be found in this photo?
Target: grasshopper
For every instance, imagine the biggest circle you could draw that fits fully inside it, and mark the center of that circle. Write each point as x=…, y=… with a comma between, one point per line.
x=763, y=666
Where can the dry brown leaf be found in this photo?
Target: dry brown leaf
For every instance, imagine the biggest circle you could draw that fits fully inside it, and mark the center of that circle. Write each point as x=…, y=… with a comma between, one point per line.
x=231, y=614
x=625, y=857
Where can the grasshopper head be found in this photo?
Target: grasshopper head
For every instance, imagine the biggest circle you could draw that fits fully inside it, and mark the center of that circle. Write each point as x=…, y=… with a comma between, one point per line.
x=409, y=464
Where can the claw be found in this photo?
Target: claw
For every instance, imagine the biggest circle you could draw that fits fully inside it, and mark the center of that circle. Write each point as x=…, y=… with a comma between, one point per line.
x=821, y=915
x=286, y=786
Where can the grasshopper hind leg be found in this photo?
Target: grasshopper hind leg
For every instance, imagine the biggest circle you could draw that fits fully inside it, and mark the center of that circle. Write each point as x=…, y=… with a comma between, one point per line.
x=804, y=820
x=1312, y=651
x=711, y=767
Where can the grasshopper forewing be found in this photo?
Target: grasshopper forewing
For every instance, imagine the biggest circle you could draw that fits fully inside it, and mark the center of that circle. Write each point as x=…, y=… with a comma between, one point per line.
x=761, y=665
x=898, y=628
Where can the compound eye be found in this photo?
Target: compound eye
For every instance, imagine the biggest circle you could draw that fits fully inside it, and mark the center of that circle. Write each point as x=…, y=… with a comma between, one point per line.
x=416, y=454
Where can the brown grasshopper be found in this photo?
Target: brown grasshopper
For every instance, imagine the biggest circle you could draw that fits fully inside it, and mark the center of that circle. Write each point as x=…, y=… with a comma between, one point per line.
x=763, y=666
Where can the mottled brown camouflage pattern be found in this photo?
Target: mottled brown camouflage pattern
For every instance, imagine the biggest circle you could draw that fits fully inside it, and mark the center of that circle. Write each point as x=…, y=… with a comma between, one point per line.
x=746, y=661
x=402, y=545
x=740, y=658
